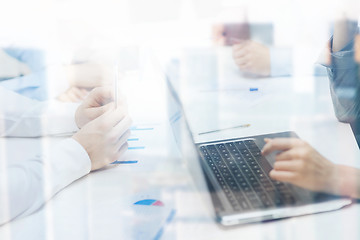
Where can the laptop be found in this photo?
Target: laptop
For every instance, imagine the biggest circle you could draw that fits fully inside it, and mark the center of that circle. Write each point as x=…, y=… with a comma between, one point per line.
x=233, y=179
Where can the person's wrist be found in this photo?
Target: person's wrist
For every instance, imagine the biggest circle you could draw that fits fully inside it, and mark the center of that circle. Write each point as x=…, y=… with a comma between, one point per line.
x=347, y=181
x=333, y=183
x=78, y=118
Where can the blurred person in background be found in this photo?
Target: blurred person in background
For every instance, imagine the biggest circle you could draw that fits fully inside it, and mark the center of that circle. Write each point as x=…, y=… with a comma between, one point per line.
x=252, y=57
x=26, y=71
x=343, y=72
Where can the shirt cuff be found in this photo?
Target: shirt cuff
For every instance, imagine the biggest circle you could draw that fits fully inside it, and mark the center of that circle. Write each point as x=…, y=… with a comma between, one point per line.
x=46, y=119
x=60, y=117
x=343, y=59
x=66, y=162
x=280, y=61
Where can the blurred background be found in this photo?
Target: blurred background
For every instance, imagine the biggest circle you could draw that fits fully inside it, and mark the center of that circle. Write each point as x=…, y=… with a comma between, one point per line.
x=78, y=31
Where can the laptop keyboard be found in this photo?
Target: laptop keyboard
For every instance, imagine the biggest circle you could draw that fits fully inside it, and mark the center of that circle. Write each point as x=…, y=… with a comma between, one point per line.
x=243, y=174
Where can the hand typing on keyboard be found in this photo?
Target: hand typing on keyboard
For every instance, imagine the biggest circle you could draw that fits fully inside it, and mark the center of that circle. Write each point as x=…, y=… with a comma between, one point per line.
x=301, y=165
x=242, y=173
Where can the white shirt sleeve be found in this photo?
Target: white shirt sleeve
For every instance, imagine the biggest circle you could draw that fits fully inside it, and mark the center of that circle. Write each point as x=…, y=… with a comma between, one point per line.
x=25, y=186
x=24, y=117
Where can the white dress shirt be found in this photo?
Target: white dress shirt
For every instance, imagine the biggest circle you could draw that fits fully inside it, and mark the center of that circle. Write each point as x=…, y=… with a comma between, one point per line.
x=27, y=184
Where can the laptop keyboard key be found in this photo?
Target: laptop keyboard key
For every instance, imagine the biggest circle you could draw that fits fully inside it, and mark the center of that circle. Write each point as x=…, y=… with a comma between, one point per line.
x=250, y=144
x=240, y=145
x=242, y=173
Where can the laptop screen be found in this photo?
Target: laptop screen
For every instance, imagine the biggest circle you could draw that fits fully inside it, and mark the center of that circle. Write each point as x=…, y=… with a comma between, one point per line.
x=187, y=147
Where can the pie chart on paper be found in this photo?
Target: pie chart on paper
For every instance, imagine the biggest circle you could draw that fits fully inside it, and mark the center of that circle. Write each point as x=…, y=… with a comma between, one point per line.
x=150, y=202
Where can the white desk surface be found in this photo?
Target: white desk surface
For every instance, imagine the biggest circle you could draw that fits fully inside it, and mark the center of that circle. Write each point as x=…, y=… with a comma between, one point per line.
x=99, y=205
